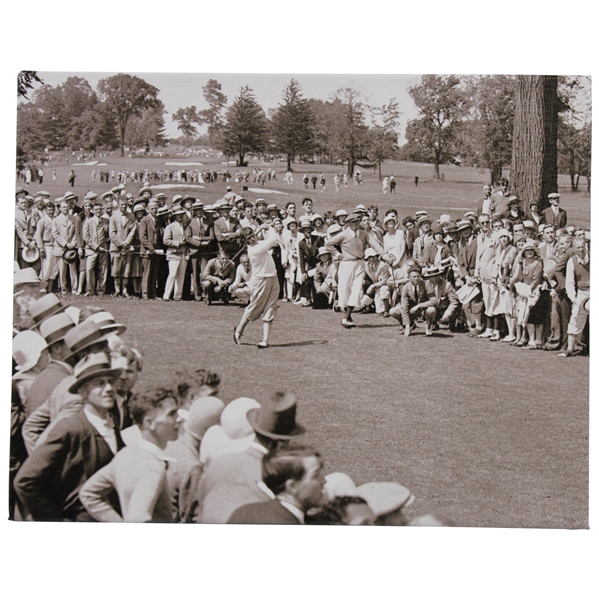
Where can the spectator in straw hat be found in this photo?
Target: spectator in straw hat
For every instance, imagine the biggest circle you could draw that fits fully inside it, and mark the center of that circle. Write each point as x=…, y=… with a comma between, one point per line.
x=199, y=235
x=295, y=477
x=49, y=481
x=554, y=215
x=45, y=242
x=95, y=238
x=424, y=239
x=121, y=231
x=63, y=230
x=230, y=481
x=176, y=255
x=53, y=330
x=138, y=473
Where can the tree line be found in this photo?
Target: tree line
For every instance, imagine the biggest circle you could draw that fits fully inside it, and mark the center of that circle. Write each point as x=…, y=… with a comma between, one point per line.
x=468, y=120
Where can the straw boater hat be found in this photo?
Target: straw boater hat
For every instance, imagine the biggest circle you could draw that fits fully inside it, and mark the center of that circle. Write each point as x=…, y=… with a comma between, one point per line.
x=44, y=307
x=92, y=366
x=431, y=271
x=275, y=418
x=54, y=328
x=361, y=209
x=107, y=323
x=424, y=219
x=178, y=210
x=83, y=336
x=30, y=255
x=25, y=276
x=197, y=204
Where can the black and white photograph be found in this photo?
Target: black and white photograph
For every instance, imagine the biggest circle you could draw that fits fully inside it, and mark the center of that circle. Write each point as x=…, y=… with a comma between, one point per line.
x=307, y=298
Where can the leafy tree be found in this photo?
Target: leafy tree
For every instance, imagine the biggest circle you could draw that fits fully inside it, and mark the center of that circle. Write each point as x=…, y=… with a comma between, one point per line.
x=351, y=134
x=293, y=125
x=187, y=120
x=148, y=129
x=442, y=106
x=487, y=136
x=383, y=134
x=93, y=129
x=246, y=127
x=25, y=81
x=213, y=115
x=325, y=118
x=126, y=96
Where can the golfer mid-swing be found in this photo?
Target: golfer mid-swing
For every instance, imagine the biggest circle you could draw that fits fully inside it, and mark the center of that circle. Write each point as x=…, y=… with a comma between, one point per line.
x=263, y=283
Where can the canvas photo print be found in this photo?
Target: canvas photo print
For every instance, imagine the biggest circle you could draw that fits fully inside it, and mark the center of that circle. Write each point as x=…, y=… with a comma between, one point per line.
x=301, y=299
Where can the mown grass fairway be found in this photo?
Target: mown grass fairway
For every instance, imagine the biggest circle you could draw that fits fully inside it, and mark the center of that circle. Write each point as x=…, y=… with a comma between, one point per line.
x=483, y=433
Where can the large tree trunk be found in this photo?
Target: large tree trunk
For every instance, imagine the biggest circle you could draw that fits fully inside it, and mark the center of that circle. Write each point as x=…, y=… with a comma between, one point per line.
x=534, y=153
x=288, y=162
x=437, y=173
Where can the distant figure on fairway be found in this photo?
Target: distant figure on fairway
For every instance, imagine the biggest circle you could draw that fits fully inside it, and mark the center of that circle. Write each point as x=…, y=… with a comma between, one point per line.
x=416, y=181
x=392, y=184
x=72, y=178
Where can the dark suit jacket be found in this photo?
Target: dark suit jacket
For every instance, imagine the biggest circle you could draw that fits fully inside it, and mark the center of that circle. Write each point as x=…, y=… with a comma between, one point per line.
x=308, y=256
x=467, y=258
x=48, y=483
x=265, y=512
x=199, y=235
x=559, y=222
x=232, y=244
x=147, y=234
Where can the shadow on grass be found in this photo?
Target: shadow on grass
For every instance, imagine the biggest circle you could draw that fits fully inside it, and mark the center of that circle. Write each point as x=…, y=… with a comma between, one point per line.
x=375, y=326
x=301, y=343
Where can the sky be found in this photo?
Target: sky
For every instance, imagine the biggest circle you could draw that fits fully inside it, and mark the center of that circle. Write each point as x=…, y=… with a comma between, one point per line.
x=178, y=90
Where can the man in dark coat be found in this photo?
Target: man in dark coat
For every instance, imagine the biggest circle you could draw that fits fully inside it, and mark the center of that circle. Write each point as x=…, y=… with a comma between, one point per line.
x=295, y=477
x=554, y=215
x=308, y=259
x=48, y=483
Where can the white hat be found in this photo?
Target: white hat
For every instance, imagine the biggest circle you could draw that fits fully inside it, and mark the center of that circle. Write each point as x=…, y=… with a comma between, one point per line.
x=339, y=484
x=386, y=497
x=27, y=348
x=388, y=218
x=233, y=435
x=204, y=413
x=370, y=253
x=341, y=212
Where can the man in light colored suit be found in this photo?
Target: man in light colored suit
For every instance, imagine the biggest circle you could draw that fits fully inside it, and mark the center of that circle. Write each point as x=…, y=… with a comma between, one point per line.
x=45, y=243
x=120, y=230
x=148, y=238
x=227, y=231
x=24, y=235
x=63, y=231
x=176, y=255
x=95, y=237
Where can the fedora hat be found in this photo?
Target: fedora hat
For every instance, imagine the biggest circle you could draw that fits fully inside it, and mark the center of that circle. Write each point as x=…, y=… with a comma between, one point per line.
x=92, y=366
x=420, y=213
x=197, y=204
x=139, y=207
x=107, y=323
x=159, y=195
x=70, y=255
x=464, y=224
x=322, y=250
x=178, y=211
x=431, y=271
x=30, y=254
x=341, y=212
x=162, y=211
x=424, y=219
x=54, y=328
x=275, y=418
x=44, y=307
x=143, y=190
x=260, y=201
x=82, y=336
x=27, y=347
x=271, y=207
x=333, y=229
x=25, y=276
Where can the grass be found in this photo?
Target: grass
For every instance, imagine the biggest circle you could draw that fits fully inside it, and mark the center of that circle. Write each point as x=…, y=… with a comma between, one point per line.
x=484, y=434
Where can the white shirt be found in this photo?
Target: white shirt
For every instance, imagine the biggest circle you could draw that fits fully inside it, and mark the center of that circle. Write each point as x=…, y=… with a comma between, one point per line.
x=104, y=426
x=293, y=509
x=262, y=264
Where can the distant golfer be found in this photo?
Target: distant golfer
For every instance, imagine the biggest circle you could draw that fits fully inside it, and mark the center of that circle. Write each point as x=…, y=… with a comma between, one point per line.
x=263, y=284
x=416, y=181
